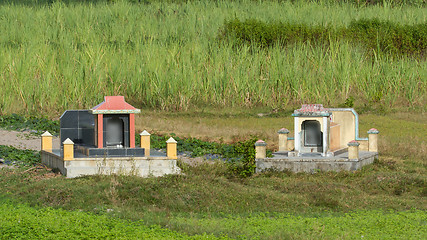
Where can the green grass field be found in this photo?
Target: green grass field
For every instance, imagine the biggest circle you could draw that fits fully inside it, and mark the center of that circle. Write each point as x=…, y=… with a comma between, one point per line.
x=167, y=57
x=24, y=222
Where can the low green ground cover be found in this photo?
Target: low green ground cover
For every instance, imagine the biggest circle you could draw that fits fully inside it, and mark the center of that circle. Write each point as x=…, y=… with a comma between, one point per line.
x=25, y=222
x=20, y=221
x=14, y=156
x=352, y=225
x=272, y=205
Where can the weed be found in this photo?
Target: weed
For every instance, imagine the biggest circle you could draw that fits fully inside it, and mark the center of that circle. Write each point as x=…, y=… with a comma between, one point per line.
x=239, y=156
x=19, y=157
x=36, y=125
x=348, y=103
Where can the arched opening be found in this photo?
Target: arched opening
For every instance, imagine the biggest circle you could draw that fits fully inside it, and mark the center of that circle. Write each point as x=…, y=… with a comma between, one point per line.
x=115, y=132
x=312, y=136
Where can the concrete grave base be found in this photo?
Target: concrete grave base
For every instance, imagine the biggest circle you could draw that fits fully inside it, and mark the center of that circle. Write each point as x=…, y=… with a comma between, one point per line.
x=155, y=165
x=314, y=162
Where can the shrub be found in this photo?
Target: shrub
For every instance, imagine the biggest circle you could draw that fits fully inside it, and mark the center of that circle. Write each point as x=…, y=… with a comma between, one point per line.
x=373, y=34
x=268, y=34
x=240, y=156
x=390, y=37
x=245, y=166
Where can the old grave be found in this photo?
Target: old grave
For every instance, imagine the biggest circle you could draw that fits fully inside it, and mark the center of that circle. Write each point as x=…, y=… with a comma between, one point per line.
x=101, y=140
x=325, y=139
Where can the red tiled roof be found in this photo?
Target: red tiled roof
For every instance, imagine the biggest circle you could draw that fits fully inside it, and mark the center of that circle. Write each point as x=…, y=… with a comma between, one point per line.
x=114, y=104
x=312, y=108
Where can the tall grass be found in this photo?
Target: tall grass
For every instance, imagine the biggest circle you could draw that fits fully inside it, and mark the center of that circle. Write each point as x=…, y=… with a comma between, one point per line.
x=164, y=55
x=378, y=37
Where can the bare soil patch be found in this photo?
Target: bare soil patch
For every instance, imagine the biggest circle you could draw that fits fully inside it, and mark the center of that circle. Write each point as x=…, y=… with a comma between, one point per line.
x=23, y=140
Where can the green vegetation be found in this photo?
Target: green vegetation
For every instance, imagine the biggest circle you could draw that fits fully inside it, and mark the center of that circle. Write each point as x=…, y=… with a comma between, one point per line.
x=58, y=55
x=376, y=36
x=24, y=222
x=353, y=225
x=240, y=156
x=199, y=148
x=167, y=56
x=18, y=156
x=355, y=2
x=206, y=199
x=36, y=125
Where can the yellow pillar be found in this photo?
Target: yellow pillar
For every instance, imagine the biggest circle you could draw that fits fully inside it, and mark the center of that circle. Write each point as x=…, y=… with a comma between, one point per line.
x=373, y=140
x=47, y=142
x=260, y=149
x=171, y=148
x=145, y=142
x=353, y=150
x=283, y=139
x=68, y=149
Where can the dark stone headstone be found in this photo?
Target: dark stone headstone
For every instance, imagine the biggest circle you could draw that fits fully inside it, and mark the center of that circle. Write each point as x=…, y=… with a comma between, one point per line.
x=79, y=126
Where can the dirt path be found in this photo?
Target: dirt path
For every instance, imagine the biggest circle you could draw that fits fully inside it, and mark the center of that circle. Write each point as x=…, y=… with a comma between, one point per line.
x=22, y=140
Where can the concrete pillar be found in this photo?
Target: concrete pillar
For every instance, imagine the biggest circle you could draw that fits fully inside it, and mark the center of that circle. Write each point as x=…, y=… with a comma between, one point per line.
x=325, y=136
x=47, y=142
x=297, y=136
x=260, y=149
x=283, y=139
x=171, y=148
x=68, y=149
x=353, y=150
x=373, y=140
x=145, y=142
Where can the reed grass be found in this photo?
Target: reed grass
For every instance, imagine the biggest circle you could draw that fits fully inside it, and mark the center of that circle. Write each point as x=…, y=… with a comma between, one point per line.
x=167, y=56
